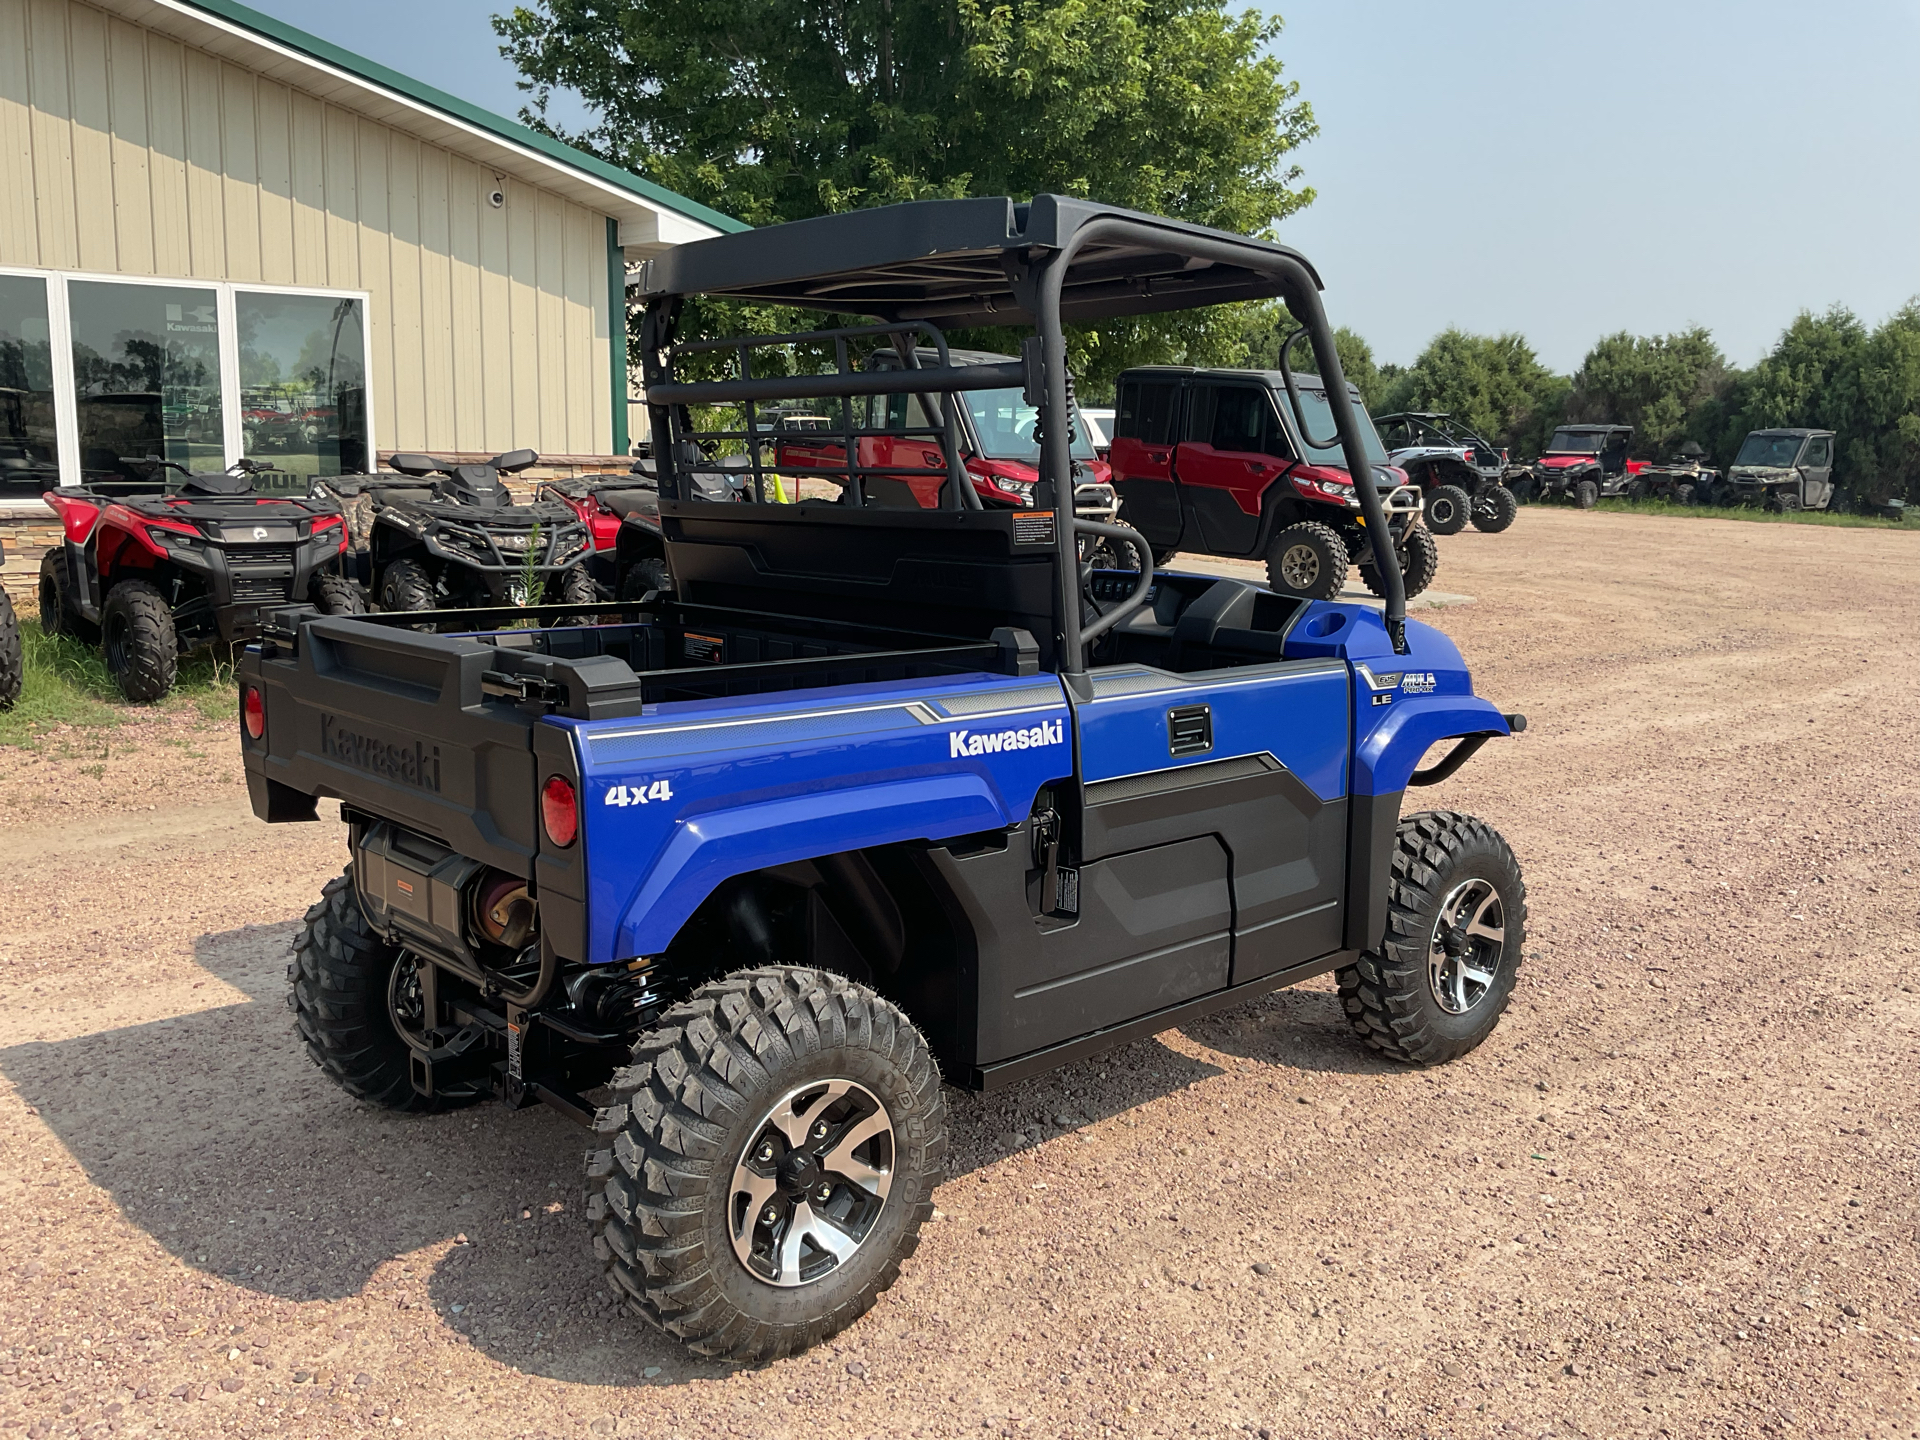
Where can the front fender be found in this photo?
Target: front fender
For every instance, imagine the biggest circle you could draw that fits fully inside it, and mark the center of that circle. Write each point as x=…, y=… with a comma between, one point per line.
x=1387, y=756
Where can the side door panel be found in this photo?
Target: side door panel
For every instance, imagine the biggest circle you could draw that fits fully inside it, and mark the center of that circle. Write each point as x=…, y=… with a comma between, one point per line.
x=1225, y=465
x=1271, y=787
x=1816, y=469
x=1146, y=414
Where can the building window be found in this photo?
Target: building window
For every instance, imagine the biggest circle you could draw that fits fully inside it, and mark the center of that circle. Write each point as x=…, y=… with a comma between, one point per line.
x=303, y=382
x=29, y=435
x=146, y=376
x=100, y=370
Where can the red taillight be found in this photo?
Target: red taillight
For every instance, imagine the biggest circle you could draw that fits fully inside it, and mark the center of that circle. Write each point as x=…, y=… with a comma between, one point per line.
x=558, y=812
x=253, y=712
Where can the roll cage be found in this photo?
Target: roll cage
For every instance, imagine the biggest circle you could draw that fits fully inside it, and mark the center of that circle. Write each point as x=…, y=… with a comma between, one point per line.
x=919, y=267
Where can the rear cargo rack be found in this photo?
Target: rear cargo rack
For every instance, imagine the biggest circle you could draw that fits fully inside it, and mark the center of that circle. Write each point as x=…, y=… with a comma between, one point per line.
x=658, y=651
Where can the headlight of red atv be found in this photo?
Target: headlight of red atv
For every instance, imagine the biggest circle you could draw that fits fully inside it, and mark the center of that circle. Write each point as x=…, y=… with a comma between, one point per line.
x=253, y=712
x=558, y=813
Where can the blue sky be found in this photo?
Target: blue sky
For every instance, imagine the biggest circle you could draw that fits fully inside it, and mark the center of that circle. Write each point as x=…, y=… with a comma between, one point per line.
x=1564, y=168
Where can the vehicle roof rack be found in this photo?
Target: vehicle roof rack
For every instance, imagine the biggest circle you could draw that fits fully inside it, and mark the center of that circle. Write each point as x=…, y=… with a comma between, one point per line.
x=968, y=262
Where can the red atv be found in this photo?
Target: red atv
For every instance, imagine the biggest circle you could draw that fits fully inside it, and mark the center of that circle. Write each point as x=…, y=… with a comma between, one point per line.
x=1584, y=464
x=622, y=512
x=183, y=563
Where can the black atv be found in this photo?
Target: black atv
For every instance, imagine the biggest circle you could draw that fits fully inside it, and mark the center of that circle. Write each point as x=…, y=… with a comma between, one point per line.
x=154, y=565
x=442, y=535
x=1684, y=480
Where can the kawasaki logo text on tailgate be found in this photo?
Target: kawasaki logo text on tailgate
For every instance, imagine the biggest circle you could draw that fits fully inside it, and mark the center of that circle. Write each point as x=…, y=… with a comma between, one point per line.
x=414, y=764
x=1048, y=732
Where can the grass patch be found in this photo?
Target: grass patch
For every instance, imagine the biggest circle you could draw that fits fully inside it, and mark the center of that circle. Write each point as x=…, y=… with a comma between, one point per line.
x=62, y=683
x=1763, y=517
x=67, y=683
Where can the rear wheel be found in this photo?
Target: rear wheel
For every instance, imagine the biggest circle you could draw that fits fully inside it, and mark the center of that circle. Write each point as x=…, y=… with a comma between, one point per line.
x=768, y=1162
x=137, y=634
x=1456, y=925
x=1683, y=493
x=1448, y=507
x=1308, y=559
x=12, y=659
x=57, y=615
x=645, y=575
x=1494, y=509
x=1586, y=494
x=337, y=595
x=354, y=997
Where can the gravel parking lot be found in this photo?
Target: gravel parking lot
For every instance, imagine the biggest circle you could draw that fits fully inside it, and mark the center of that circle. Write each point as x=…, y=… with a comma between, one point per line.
x=1674, y=1195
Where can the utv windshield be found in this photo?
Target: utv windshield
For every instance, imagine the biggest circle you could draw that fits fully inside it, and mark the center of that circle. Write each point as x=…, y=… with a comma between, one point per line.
x=1318, y=415
x=1005, y=423
x=1576, y=442
x=1777, y=452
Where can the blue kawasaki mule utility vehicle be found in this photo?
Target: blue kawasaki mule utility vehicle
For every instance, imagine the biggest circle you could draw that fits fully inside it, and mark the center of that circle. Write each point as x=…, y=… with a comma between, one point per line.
x=881, y=795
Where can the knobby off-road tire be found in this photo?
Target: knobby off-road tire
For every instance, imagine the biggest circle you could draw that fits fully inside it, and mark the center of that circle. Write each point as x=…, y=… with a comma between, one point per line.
x=645, y=575
x=57, y=615
x=698, y=1105
x=1418, y=566
x=1308, y=559
x=1447, y=510
x=337, y=595
x=1494, y=509
x=138, y=638
x=1683, y=493
x=338, y=987
x=406, y=585
x=13, y=665
x=1454, y=887
x=1586, y=494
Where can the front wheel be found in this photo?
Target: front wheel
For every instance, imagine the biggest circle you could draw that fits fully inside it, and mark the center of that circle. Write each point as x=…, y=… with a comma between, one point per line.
x=1419, y=563
x=767, y=1163
x=337, y=595
x=1683, y=493
x=12, y=657
x=1447, y=510
x=1494, y=509
x=406, y=585
x=141, y=645
x=1309, y=560
x=1586, y=495
x=1456, y=926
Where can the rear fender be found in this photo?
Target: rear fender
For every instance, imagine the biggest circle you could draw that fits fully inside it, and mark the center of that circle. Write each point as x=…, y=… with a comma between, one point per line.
x=705, y=852
x=679, y=800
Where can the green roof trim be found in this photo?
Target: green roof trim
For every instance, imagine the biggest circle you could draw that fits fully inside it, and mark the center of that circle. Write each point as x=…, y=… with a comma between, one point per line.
x=511, y=130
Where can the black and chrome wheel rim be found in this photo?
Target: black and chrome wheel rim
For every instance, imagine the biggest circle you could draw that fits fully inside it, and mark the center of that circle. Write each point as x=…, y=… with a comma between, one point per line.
x=1440, y=510
x=1299, y=566
x=407, y=1002
x=1469, y=940
x=811, y=1183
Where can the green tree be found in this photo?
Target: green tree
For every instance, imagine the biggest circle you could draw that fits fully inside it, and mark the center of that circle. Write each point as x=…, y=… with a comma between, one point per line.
x=776, y=110
x=1264, y=327
x=1655, y=383
x=1494, y=384
x=1830, y=372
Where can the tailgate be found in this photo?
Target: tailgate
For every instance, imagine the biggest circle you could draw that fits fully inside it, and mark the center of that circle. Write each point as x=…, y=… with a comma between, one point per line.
x=395, y=723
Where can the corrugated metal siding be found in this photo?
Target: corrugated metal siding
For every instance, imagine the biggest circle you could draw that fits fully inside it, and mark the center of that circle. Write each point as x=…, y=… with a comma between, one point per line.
x=124, y=152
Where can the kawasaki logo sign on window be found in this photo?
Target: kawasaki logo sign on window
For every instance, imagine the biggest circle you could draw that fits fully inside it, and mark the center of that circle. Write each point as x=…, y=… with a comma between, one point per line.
x=965, y=742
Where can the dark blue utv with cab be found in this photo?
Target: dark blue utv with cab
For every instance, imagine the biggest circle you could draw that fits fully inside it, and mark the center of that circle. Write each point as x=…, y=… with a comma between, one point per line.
x=881, y=795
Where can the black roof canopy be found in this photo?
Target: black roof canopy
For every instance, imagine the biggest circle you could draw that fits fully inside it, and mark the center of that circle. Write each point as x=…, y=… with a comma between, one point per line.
x=965, y=262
